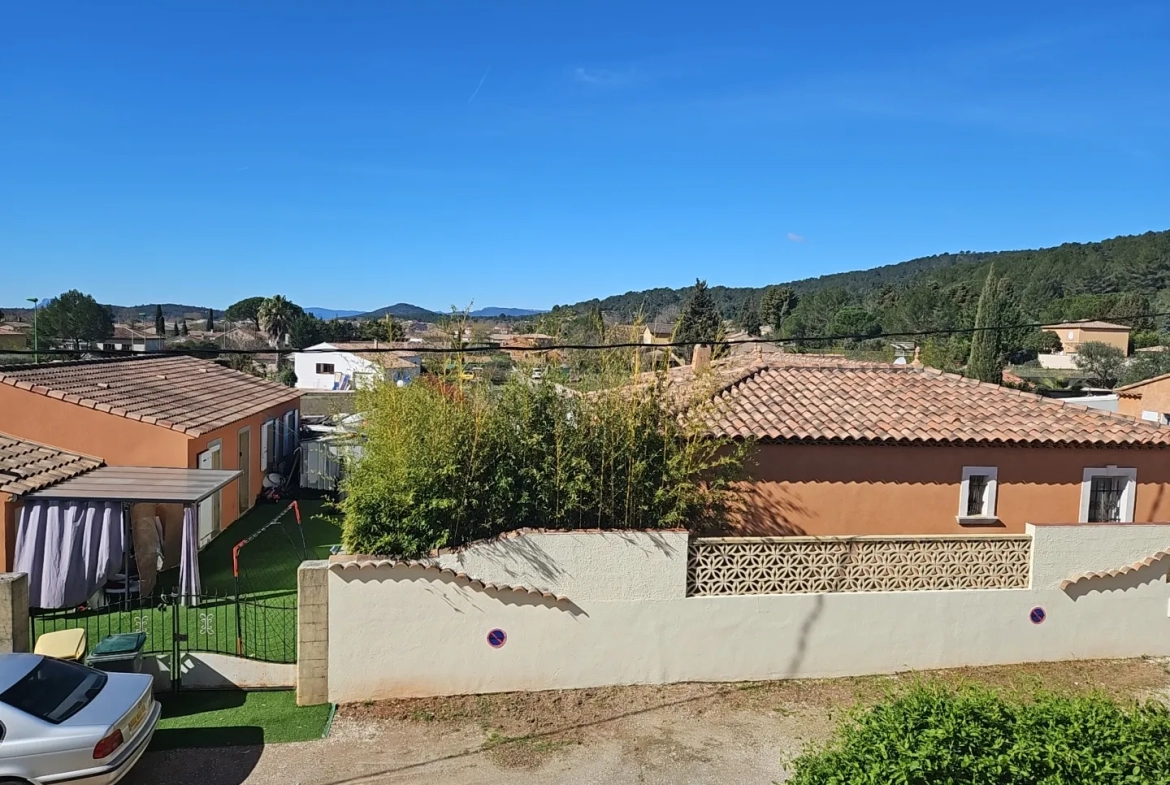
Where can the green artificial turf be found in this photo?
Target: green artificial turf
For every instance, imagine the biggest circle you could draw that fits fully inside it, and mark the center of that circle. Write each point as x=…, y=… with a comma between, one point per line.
x=266, y=628
x=232, y=718
x=269, y=563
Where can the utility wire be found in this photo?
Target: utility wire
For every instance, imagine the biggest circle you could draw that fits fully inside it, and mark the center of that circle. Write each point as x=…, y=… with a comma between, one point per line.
x=494, y=348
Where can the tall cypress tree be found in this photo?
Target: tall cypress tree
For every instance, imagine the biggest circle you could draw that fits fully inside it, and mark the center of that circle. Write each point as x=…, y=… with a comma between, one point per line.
x=210, y=321
x=749, y=317
x=160, y=325
x=985, y=363
x=700, y=320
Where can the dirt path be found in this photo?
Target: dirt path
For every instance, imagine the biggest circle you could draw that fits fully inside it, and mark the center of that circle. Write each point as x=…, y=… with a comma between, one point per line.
x=685, y=733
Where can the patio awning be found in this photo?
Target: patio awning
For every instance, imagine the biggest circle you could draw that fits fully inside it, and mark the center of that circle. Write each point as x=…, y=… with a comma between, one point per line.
x=133, y=484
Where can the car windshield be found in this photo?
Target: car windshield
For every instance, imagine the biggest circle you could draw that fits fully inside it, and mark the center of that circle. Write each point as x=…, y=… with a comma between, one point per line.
x=55, y=690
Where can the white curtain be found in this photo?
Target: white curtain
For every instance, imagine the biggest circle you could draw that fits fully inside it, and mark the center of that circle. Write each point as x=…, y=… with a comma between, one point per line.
x=68, y=550
x=189, y=557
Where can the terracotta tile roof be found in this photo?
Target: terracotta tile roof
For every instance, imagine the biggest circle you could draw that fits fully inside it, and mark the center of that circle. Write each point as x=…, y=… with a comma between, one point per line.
x=386, y=359
x=900, y=404
x=1139, y=565
x=365, y=346
x=182, y=393
x=1129, y=390
x=1092, y=324
x=358, y=563
x=29, y=466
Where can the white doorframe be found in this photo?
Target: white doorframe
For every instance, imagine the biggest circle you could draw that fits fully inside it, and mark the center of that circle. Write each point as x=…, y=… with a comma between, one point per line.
x=211, y=508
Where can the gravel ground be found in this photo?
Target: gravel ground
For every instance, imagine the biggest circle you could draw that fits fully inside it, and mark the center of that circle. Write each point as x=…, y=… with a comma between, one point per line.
x=686, y=733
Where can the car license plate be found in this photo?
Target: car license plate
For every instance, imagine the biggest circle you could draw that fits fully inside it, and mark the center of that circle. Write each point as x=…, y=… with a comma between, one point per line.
x=137, y=717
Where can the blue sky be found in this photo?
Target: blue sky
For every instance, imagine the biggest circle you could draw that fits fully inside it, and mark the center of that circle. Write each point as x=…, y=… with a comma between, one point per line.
x=527, y=153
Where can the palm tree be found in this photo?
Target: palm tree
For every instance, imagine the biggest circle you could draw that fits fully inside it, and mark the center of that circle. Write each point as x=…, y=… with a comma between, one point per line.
x=276, y=315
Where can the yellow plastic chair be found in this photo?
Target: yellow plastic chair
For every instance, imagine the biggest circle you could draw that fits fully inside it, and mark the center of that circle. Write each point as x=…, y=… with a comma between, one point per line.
x=62, y=645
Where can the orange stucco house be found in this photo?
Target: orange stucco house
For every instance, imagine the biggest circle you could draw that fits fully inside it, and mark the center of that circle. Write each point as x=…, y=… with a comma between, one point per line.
x=1148, y=399
x=855, y=449
x=179, y=412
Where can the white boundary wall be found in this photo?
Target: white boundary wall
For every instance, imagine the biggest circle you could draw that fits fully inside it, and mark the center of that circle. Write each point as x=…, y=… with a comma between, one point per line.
x=411, y=631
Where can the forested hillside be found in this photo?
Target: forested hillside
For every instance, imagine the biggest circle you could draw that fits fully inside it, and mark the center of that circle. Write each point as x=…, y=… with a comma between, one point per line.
x=1075, y=280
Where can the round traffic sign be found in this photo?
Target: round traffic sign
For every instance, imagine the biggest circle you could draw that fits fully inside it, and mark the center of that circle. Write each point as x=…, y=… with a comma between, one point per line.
x=497, y=638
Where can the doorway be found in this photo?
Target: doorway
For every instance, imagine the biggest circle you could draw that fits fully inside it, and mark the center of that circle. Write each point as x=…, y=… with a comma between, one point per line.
x=211, y=508
x=244, y=464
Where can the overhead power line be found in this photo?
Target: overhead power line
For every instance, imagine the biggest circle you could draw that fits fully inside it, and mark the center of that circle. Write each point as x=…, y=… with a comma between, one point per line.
x=494, y=348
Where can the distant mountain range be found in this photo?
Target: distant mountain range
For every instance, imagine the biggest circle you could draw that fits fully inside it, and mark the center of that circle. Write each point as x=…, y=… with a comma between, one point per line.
x=408, y=311
x=172, y=311
x=332, y=313
x=402, y=311
x=492, y=311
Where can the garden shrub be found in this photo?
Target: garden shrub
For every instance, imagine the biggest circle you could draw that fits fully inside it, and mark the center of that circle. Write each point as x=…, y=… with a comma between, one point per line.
x=932, y=735
x=446, y=463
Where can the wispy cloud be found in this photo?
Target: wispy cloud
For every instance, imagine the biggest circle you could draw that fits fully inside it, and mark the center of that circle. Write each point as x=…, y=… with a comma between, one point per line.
x=796, y=238
x=482, y=79
x=603, y=77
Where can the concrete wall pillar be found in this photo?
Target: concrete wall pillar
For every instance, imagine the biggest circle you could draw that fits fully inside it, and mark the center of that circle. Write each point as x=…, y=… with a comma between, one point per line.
x=14, y=631
x=313, y=633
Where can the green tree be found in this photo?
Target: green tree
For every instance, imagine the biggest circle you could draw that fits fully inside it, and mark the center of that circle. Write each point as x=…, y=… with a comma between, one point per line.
x=175, y=329
x=385, y=329
x=1146, y=365
x=160, y=324
x=985, y=363
x=749, y=317
x=210, y=326
x=183, y=327
x=338, y=330
x=246, y=310
x=286, y=374
x=700, y=321
x=276, y=316
x=243, y=363
x=74, y=319
x=853, y=324
x=1034, y=343
x=777, y=303
x=1102, y=362
x=305, y=330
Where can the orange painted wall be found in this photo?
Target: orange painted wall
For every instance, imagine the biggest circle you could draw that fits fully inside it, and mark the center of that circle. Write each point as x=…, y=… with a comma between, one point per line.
x=116, y=440
x=862, y=489
x=1152, y=397
x=230, y=454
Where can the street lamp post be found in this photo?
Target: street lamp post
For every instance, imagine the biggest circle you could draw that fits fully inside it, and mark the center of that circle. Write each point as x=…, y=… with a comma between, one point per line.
x=34, y=301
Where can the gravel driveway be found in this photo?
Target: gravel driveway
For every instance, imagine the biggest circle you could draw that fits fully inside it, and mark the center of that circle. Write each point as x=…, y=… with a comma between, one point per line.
x=686, y=733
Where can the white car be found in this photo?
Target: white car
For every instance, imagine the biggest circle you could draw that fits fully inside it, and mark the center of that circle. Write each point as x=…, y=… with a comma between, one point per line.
x=66, y=723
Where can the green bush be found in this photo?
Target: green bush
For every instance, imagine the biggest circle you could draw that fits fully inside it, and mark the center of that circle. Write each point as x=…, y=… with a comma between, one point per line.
x=932, y=735
x=447, y=463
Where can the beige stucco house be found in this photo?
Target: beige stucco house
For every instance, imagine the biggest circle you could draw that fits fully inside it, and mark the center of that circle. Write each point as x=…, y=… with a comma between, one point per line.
x=1073, y=334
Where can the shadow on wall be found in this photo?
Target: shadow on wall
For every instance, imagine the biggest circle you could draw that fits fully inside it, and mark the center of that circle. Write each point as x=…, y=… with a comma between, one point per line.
x=432, y=577
x=1152, y=573
x=520, y=548
x=810, y=621
x=759, y=510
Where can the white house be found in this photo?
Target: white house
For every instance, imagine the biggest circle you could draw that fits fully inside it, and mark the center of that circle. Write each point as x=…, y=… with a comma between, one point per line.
x=347, y=366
